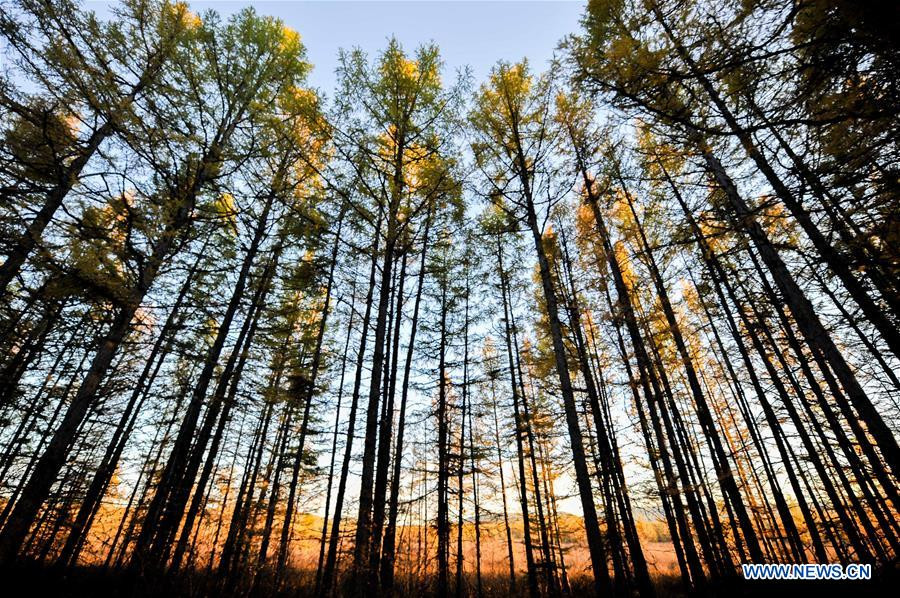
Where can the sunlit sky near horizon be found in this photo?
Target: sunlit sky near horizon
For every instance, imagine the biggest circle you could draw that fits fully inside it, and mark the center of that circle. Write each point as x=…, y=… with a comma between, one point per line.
x=474, y=33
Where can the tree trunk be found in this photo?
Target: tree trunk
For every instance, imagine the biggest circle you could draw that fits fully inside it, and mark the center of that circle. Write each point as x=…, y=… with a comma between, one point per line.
x=388, y=550
x=51, y=462
x=817, y=337
x=519, y=427
x=334, y=443
x=308, y=395
x=591, y=522
x=167, y=506
x=331, y=560
x=836, y=261
x=91, y=502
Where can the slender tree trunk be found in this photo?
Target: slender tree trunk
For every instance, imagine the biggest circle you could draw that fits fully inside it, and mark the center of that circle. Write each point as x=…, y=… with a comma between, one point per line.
x=817, y=337
x=385, y=435
x=309, y=393
x=91, y=502
x=168, y=504
x=591, y=522
x=274, y=489
x=519, y=427
x=388, y=550
x=331, y=560
x=509, y=543
x=363, y=544
x=835, y=260
x=443, y=440
x=473, y=460
x=334, y=444
x=461, y=459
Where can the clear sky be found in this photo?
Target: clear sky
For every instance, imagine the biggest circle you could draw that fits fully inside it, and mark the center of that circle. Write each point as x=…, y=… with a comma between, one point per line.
x=476, y=33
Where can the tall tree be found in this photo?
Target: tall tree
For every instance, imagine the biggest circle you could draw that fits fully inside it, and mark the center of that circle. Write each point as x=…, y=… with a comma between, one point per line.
x=512, y=122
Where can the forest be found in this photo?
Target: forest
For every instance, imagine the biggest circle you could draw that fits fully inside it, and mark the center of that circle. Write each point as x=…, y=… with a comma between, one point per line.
x=615, y=325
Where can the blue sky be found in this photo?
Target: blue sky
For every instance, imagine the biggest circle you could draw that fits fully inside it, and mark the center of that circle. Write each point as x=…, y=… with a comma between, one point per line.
x=475, y=33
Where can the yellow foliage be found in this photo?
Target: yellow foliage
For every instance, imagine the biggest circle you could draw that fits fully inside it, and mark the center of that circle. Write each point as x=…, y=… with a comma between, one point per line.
x=624, y=259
